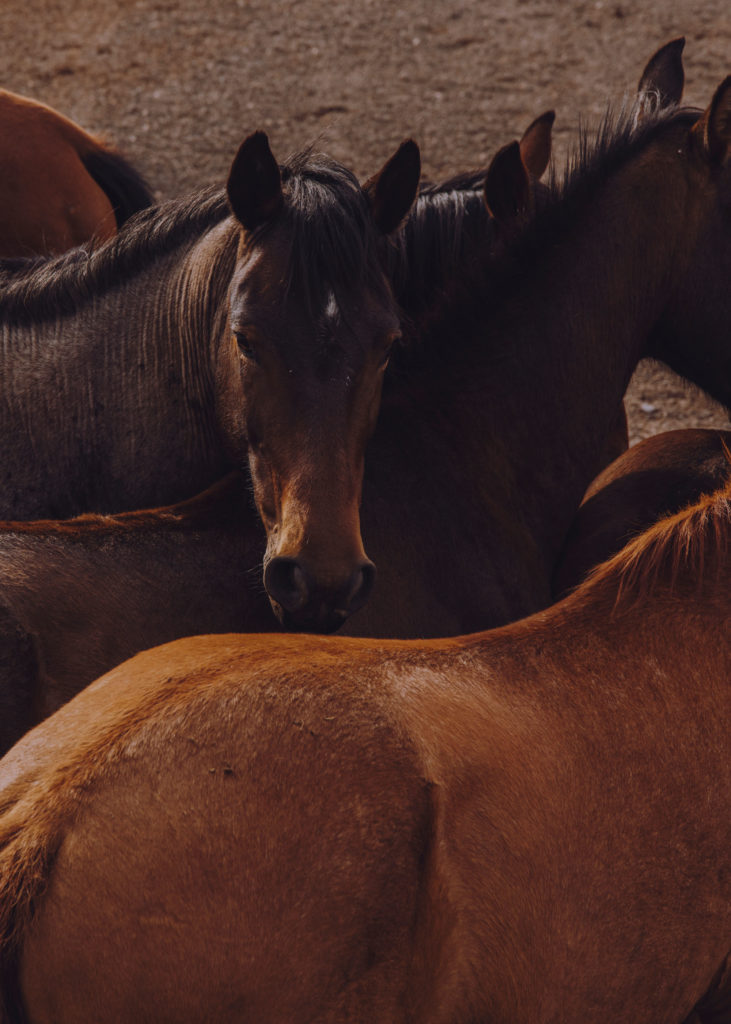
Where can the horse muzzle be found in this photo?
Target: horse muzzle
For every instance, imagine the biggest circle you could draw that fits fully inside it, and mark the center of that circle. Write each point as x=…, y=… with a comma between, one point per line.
x=304, y=604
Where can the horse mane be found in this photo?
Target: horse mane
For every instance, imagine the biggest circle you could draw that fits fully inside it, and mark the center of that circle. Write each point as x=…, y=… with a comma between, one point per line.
x=447, y=221
x=693, y=541
x=219, y=505
x=334, y=242
x=490, y=282
x=43, y=288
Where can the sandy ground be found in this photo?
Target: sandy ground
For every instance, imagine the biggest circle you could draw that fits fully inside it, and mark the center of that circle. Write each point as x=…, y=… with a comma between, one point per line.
x=178, y=84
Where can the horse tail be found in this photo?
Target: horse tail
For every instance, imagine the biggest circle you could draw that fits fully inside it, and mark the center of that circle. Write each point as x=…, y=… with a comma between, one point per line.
x=124, y=186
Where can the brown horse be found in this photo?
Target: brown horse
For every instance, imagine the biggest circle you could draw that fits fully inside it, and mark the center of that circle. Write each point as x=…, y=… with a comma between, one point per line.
x=656, y=478
x=81, y=595
x=61, y=187
x=492, y=426
x=138, y=374
x=526, y=826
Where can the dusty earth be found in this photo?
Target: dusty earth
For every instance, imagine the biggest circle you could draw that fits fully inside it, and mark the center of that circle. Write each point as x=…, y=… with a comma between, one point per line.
x=178, y=83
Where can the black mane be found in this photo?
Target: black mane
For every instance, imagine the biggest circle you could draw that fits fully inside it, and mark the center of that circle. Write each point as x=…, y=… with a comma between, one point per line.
x=334, y=244
x=488, y=284
x=448, y=221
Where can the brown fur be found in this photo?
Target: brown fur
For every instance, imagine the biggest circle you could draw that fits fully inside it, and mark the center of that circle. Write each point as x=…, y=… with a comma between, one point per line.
x=61, y=187
x=658, y=477
x=528, y=826
x=190, y=344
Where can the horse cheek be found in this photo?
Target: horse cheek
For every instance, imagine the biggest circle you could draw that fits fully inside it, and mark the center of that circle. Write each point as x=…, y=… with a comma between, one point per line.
x=231, y=405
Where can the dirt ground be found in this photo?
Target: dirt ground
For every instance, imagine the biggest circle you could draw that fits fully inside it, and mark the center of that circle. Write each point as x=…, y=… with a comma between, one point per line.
x=178, y=84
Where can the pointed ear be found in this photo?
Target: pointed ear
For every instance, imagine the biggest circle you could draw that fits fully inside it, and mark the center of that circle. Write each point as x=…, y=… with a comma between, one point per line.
x=392, y=191
x=254, y=184
x=661, y=83
x=507, y=185
x=713, y=131
x=535, y=146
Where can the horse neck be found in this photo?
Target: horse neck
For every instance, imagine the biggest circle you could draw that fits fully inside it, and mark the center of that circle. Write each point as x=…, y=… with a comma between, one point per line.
x=543, y=376
x=136, y=364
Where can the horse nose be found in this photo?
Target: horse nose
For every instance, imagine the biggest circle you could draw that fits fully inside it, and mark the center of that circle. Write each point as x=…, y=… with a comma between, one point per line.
x=305, y=604
x=360, y=587
x=286, y=583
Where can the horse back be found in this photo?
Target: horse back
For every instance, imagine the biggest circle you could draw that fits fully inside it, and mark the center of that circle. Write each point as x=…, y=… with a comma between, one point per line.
x=250, y=791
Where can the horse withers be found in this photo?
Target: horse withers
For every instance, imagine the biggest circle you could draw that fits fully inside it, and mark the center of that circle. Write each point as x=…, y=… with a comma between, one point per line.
x=524, y=826
x=59, y=185
x=247, y=328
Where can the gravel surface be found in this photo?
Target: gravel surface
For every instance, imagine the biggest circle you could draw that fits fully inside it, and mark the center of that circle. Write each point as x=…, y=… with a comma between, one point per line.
x=179, y=84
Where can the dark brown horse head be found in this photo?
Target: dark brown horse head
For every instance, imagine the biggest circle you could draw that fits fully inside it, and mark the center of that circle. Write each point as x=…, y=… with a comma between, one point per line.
x=693, y=334
x=312, y=320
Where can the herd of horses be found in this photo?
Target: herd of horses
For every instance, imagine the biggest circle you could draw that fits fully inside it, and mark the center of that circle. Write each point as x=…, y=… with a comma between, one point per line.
x=302, y=405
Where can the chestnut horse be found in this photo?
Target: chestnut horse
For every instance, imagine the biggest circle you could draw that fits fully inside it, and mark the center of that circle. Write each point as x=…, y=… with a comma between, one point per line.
x=61, y=187
x=659, y=476
x=525, y=826
x=195, y=341
x=79, y=596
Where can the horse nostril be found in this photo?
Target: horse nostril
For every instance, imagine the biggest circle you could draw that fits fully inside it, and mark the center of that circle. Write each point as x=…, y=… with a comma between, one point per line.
x=361, y=585
x=286, y=583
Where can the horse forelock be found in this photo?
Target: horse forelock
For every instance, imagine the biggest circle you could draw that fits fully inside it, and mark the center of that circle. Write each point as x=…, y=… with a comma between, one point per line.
x=334, y=245
x=45, y=287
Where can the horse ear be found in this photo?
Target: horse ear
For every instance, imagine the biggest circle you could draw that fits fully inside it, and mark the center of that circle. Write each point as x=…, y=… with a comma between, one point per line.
x=254, y=184
x=535, y=146
x=713, y=131
x=392, y=191
x=507, y=185
x=661, y=83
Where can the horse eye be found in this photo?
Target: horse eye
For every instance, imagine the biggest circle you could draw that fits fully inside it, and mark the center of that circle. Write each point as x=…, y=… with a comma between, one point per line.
x=245, y=346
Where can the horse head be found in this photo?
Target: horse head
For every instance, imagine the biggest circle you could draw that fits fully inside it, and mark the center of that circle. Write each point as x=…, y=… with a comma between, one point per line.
x=693, y=332
x=311, y=322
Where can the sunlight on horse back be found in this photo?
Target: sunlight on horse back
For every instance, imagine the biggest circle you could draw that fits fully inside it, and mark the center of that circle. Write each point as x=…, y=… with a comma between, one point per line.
x=59, y=186
x=532, y=824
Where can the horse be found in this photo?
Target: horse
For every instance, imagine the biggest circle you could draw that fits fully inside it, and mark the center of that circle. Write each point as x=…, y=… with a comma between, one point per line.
x=82, y=595
x=79, y=596
x=655, y=478
x=530, y=824
x=61, y=186
x=492, y=427
x=249, y=327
